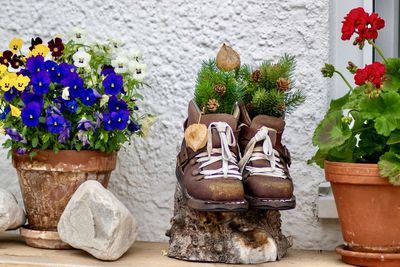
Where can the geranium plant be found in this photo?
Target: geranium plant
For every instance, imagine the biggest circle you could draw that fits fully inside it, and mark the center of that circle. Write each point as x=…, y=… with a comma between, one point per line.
x=70, y=95
x=364, y=125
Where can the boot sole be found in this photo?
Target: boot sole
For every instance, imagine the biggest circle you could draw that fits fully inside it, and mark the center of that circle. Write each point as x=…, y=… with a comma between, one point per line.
x=271, y=204
x=207, y=205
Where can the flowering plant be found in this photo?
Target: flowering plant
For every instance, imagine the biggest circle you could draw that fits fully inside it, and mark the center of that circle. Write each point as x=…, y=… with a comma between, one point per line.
x=364, y=125
x=70, y=95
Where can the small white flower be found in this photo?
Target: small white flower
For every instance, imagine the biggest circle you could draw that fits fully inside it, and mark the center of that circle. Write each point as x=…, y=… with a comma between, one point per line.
x=81, y=58
x=135, y=54
x=138, y=70
x=65, y=93
x=78, y=35
x=120, y=65
x=116, y=43
x=104, y=100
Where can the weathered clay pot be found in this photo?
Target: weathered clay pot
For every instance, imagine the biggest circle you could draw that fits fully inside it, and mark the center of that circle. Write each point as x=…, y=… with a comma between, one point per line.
x=49, y=180
x=368, y=207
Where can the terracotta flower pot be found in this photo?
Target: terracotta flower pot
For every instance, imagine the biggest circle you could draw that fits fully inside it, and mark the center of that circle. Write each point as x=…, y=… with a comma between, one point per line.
x=49, y=180
x=368, y=207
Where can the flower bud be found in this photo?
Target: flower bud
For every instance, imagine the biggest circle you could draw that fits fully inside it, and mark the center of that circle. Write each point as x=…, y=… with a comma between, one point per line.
x=328, y=70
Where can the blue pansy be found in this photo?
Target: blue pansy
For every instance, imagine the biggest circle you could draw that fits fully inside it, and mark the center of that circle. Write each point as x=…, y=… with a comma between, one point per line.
x=54, y=70
x=75, y=84
x=31, y=113
x=133, y=127
x=10, y=94
x=4, y=113
x=55, y=123
x=107, y=69
x=88, y=98
x=72, y=106
x=40, y=82
x=64, y=135
x=114, y=104
x=113, y=84
x=107, y=122
x=84, y=124
x=15, y=135
x=66, y=70
x=120, y=119
x=28, y=97
x=35, y=64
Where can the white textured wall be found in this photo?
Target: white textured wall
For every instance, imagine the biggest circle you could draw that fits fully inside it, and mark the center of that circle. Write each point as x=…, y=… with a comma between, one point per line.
x=176, y=36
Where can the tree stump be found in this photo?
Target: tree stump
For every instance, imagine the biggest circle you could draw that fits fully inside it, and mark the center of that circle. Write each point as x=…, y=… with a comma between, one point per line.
x=253, y=236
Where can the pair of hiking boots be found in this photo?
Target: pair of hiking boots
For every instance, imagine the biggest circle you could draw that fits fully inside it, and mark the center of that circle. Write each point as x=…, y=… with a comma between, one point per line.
x=243, y=164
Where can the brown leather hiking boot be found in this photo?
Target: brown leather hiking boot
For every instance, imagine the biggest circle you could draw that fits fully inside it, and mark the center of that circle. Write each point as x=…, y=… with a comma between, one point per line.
x=265, y=162
x=210, y=178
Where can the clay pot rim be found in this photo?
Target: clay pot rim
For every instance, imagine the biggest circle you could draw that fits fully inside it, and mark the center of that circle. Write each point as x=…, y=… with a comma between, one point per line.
x=354, y=173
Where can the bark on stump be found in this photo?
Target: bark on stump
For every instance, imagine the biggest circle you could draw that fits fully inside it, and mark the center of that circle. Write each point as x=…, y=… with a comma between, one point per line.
x=228, y=237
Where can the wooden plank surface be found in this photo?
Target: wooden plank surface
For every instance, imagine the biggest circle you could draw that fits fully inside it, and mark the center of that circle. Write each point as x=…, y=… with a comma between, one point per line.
x=13, y=252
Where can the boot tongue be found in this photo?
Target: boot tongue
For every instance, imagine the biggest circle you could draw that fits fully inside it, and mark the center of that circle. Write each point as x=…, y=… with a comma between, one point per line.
x=210, y=118
x=278, y=124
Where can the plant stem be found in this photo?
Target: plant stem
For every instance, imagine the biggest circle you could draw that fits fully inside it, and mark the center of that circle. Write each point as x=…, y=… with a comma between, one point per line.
x=378, y=49
x=345, y=80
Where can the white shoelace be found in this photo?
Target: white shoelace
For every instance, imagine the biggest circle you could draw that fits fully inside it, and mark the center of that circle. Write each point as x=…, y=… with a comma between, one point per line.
x=266, y=152
x=223, y=154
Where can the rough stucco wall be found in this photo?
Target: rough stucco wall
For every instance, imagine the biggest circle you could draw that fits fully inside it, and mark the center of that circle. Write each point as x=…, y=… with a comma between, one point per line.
x=175, y=37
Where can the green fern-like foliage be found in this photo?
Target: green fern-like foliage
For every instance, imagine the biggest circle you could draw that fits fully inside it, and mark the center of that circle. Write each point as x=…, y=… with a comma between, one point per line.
x=261, y=92
x=208, y=78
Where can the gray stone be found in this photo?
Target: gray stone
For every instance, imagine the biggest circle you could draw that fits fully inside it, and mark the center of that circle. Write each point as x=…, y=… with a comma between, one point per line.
x=97, y=222
x=11, y=215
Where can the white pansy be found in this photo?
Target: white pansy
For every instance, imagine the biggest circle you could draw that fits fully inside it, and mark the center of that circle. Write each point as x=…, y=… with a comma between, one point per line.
x=78, y=35
x=138, y=70
x=135, y=54
x=120, y=64
x=104, y=100
x=81, y=58
x=116, y=43
x=65, y=93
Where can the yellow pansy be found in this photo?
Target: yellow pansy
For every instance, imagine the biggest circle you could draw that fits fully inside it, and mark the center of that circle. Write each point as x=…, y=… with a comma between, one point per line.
x=146, y=123
x=39, y=49
x=21, y=82
x=3, y=70
x=16, y=112
x=8, y=81
x=16, y=45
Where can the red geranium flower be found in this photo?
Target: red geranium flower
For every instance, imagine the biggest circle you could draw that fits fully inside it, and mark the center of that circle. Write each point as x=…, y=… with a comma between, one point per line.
x=373, y=73
x=56, y=47
x=360, y=22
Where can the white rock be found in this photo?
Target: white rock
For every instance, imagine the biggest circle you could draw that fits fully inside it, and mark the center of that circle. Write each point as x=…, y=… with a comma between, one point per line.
x=97, y=222
x=11, y=215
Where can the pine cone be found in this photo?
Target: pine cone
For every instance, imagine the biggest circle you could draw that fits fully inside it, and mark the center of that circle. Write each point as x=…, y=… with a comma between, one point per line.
x=212, y=105
x=281, y=107
x=256, y=75
x=220, y=89
x=282, y=84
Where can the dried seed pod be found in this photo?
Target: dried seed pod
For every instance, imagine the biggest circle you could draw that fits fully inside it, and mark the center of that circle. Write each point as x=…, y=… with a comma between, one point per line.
x=227, y=58
x=212, y=105
x=256, y=75
x=196, y=136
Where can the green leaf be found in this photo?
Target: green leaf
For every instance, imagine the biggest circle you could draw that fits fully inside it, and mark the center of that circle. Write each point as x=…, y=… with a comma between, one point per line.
x=389, y=166
x=392, y=83
x=344, y=152
x=331, y=131
x=35, y=141
x=319, y=158
x=338, y=104
x=394, y=138
x=385, y=125
x=385, y=105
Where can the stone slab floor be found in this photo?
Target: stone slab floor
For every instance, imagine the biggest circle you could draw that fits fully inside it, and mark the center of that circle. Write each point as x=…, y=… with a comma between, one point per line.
x=13, y=252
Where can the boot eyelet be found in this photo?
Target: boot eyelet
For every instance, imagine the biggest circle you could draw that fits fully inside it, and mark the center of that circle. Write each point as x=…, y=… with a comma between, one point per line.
x=195, y=172
x=192, y=161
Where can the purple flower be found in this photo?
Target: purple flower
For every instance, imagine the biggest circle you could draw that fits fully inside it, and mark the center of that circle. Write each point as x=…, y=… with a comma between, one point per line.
x=88, y=97
x=51, y=109
x=28, y=97
x=15, y=135
x=116, y=105
x=66, y=70
x=120, y=119
x=24, y=72
x=31, y=113
x=108, y=123
x=56, y=47
x=10, y=94
x=5, y=112
x=99, y=119
x=75, y=84
x=21, y=151
x=133, y=127
x=72, y=106
x=40, y=82
x=54, y=70
x=84, y=124
x=113, y=84
x=35, y=64
x=64, y=135
x=82, y=136
x=107, y=69
x=55, y=123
